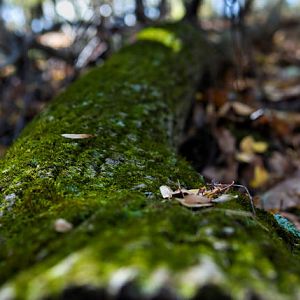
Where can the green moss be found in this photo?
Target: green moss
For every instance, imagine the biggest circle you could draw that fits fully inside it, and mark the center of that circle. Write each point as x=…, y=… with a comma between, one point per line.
x=162, y=35
x=108, y=188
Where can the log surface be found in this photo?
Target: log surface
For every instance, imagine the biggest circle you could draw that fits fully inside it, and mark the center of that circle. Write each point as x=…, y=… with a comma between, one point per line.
x=106, y=185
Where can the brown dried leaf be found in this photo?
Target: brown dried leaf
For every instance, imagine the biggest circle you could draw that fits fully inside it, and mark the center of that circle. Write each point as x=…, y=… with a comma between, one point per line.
x=245, y=157
x=196, y=199
x=242, y=109
x=194, y=205
x=280, y=164
x=260, y=147
x=224, y=198
x=249, y=146
x=226, y=140
x=284, y=195
x=181, y=193
x=194, y=191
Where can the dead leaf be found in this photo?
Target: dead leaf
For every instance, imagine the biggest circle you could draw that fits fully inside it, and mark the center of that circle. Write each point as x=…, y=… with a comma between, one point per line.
x=166, y=192
x=193, y=205
x=277, y=93
x=249, y=145
x=280, y=164
x=242, y=109
x=181, y=192
x=285, y=194
x=261, y=176
x=218, y=96
x=196, y=199
x=77, y=136
x=224, y=198
x=56, y=40
x=246, y=144
x=226, y=140
x=245, y=157
x=259, y=147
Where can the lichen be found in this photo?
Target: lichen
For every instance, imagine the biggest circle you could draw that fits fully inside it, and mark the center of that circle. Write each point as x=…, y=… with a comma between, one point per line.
x=107, y=187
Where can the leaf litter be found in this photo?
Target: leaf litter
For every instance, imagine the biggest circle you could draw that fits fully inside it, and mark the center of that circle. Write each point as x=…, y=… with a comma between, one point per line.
x=204, y=196
x=248, y=126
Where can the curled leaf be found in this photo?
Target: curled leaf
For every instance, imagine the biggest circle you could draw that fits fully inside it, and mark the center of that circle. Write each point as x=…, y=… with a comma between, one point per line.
x=224, y=198
x=242, y=109
x=77, y=136
x=195, y=205
x=249, y=145
x=260, y=147
x=261, y=176
x=245, y=157
x=246, y=144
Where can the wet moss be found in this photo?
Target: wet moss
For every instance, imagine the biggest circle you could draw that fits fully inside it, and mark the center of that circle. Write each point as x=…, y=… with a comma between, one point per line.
x=107, y=187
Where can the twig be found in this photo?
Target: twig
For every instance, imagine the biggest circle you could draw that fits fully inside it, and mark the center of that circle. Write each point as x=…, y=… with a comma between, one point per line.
x=240, y=186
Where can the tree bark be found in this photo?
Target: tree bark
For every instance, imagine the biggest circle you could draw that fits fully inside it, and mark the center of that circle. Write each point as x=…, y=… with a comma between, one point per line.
x=191, y=9
x=140, y=12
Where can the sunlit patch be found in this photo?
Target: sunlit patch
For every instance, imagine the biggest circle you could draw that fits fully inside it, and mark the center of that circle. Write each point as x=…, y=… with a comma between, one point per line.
x=130, y=19
x=66, y=9
x=56, y=40
x=163, y=36
x=105, y=10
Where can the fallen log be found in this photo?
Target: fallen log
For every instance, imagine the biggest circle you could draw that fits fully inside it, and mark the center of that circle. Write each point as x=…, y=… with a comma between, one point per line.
x=81, y=212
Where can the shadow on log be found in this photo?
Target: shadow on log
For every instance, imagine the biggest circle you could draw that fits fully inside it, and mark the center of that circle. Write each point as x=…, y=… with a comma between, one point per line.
x=95, y=158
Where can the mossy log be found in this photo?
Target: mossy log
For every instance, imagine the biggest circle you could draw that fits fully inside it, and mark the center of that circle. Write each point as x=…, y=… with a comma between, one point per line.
x=107, y=187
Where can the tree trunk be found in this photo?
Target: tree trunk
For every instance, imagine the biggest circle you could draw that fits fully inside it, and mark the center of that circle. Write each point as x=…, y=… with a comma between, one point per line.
x=105, y=185
x=191, y=9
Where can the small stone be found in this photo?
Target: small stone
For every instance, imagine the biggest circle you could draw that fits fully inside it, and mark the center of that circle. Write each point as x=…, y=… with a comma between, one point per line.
x=10, y=197
x=61, y=225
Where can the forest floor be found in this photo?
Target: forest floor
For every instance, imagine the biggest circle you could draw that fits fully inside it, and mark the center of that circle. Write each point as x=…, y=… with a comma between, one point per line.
x=245, y=124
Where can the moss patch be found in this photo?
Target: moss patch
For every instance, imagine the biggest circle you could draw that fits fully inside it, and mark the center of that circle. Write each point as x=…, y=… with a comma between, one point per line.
x=107, y=187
